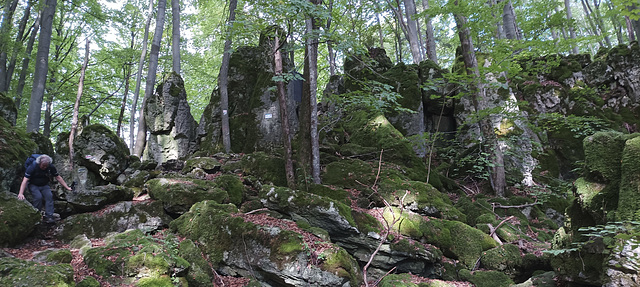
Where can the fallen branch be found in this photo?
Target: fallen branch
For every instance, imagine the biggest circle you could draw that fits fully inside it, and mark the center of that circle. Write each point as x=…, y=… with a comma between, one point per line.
x=493, y=230
x=498, y=205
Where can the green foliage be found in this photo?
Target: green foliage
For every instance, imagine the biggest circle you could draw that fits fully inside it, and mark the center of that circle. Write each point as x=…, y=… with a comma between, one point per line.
x=374, y=96
x=579, y=126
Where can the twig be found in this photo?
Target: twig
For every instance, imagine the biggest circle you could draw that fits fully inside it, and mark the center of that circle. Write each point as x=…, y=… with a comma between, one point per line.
x=257, y=210
x=498, y=205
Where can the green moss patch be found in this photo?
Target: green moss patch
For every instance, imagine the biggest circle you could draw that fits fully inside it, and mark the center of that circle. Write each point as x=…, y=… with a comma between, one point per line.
x=179, y=194
x=18, y=219
x=18, y=272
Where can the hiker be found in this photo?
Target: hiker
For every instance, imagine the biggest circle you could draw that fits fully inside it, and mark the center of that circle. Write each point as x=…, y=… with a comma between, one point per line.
x=36, y=177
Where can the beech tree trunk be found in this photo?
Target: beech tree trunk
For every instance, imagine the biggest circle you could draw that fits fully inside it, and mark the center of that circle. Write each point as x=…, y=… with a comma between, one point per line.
x=141, y=139
x=572, y=31
x=26, y=59
x=284, y=118
x=310, y=97
x=412, y=31
x=509, y=22
x=497, y=172
x=380, y=33
x=143, y=55
x=76, y=106
x=18, y=44
x=630, y=32
x=332, y=55
x=41, y=67
x=126, y=71
x=5, y=29
x=223, y=78
x=175, y=44
x=429, y=34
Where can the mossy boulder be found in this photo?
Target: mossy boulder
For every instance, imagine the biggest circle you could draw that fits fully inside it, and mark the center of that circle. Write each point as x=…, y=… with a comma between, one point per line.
x=420, y=197
x=268, y=168
x=179, y=194
x=455, y=239
x=504, y=258
x=18, y=219
x=53, y=255
x=602, y=155
x=88, y=282
x=101, y=151
x=15, y=147
x=8, y=110
x=207, y=164
x=134, y=254
x=629, y=197
x=405, y=81
x=277, y=255
x=579, y=267
x=363, y=66
x=349, y=173
x=200, y=273
x=147, y=216
x=18, y=272
x=486, y=278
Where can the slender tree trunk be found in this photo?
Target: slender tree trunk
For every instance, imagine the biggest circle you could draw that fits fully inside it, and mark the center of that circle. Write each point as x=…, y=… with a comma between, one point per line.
x=431, y=40
x=332, y=56
x=312, y=48
x=42, y=66
x=412, y=31
x=509, y=22
x=126, y=71
x=5, y=30
x=572, y=31
x=617, y=26
x=598, y=20
x=141, y=139
x=632, y=37
x=76, y=106
x=499, y=27
x=592, y=25
x=380, y=33
x=635, y=23
x=223, y=78
x=143, y=55
x=18, y=44
x=284, y=118
x=498, y=178
x=46, y=128
x=25, y=61
x=398, y=41
x=175, y=46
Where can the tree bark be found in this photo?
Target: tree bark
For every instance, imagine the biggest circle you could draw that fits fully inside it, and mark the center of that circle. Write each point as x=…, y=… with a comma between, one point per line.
x=429, y=34
x=76, y=106
x=497, y=172
x=26, y=59
x=141, y=139
x=572, y=31
x=175, y=45
x=126, y=71
x=136, y=94
x=18, y=44
x=509, y=22
x=223, y=78
x=312, y=48
x=380, y=33
x=284, y=118
x=5, y=30
x=592, y=25
x=46, y=128
x=412, y=31
x=332, y=55
x=630, y=32
x=41, y=67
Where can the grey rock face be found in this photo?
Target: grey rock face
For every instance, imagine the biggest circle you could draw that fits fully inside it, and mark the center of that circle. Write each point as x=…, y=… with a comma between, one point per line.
x=98, y=197
x=169, y=120
x=102, y=152
x=8, y=109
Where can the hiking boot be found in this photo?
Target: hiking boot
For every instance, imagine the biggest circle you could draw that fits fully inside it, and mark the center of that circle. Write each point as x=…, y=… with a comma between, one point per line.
x=49, y=220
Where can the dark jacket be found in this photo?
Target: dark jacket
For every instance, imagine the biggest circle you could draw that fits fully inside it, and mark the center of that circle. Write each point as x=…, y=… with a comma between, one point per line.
x=40, y=177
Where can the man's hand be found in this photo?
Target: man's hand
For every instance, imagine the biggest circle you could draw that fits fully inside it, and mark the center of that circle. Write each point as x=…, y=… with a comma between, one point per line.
x=21, y=196
x=69, y=188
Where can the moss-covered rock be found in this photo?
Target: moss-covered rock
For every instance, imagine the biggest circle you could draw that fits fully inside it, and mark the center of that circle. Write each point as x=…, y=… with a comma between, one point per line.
x=504, y=258
x=268, y=168
x=87, y=200
x=54, y=256
x=179, y=194
x=276, y=253
x=486, y=278
x=101, y=151
x=234, y=187
x=629, y=198
x=88, y=282
x=579, y=267
x=15, y=147
x=146, y=216
x=200, y=273
x=18, y=272
x=602, y=155
x=18, y=219
x=207, y=164
x=420, y=197
x=134, y=254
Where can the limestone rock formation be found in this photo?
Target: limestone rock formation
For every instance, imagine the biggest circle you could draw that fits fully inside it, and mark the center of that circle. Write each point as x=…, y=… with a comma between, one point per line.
x=170, y=123
x=102, y=152
x=8, y=109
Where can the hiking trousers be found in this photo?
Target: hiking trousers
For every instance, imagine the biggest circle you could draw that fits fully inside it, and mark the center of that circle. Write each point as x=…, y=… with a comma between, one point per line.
x=40, y=194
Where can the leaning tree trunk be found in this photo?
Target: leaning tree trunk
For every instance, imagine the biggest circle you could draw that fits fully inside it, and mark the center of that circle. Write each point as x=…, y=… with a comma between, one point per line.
x=312, y=48
x=509, y=22
x=76, y=106
x=141, y=139
x=175, y=43
x=497, y=172
x=284, y=118
x=25, y=61
x=41, y=67
x=18, y=44
x=223, y=78
x=5, y=29
x=126, y=71
x=143, y=55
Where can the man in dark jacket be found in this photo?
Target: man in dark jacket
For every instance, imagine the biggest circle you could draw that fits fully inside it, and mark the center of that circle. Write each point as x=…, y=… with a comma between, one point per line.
x=37, y=177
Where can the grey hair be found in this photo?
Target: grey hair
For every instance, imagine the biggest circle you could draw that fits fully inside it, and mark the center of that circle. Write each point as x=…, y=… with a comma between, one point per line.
x=43, y=159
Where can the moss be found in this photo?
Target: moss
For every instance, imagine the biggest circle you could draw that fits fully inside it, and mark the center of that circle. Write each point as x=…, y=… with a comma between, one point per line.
x=426, y=198
x=60, y=256
x=334, y=193
x=18, y=272
x=88, y=282
x=18, y=219
x=15, y=145
x=397, y=280
x=178, y=195
x=205, y=163
x=339, y=262
x=347, y=173
x=268, y=168
x=629, y=198
x=199, y=273
x=486, y=278
x=583, y=267
x=505, y=258
x=233, y=186
x=164, y=281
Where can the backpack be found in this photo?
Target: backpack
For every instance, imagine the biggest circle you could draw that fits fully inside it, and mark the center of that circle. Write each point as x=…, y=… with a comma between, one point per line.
x=30, y=160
